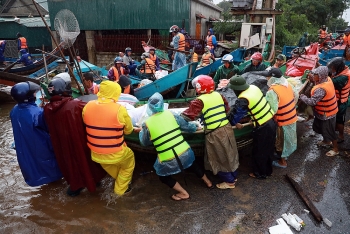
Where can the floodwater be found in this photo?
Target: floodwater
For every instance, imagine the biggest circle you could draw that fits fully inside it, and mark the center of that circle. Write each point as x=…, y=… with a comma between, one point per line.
x=251, y=207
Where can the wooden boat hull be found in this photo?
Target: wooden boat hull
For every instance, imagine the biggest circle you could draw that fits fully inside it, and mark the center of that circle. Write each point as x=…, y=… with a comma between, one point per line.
x=178, y=77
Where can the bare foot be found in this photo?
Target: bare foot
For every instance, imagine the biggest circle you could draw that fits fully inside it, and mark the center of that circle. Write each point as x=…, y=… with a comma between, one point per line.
x=180, y=196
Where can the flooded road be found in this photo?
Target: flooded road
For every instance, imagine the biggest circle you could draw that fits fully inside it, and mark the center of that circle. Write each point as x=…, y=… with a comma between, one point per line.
x=251, y=207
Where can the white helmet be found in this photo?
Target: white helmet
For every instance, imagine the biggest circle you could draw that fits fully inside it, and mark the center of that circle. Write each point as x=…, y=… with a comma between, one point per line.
x=227, y=58
x=145, y=55
x=174, y=29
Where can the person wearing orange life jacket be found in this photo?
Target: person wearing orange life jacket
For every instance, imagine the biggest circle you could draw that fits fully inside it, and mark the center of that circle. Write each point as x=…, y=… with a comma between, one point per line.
x=192, y=57
x=105, y=135
x=21, y=42
x=207, y=57
x=178, y=43
x=322, y=34
x=324, y=103
x=117, y=70
x=154, y=58
x=282, y=98
x=147, y=67
x=89, y=83
x=221, y=149
x=340, y=75
x=211, y=40
x=163, y=130
x=346, y=37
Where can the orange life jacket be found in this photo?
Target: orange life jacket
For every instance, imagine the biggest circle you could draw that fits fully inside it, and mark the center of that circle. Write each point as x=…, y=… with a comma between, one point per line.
x=206, y=59
x=181, y=42
x=323, y=33
x=105, y=134
x=328, y=105
x=23, y=43
x=150, y=67
x=116, y=73
x=286, y=113
x=195, y=57
x=343, y=95
x=346, y=39
x=210, y=41
x=153, y=57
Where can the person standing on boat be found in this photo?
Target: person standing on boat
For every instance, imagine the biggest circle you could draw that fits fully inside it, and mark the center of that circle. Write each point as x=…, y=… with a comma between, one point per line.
x=154, y=58
x=179, y=58
x=282, y=98
x=340, y=75
x=21, y=42
x=255, y=65
x=63, y=115
x=35, y=156
x=2, y=50
x=211, y=41
x=163, y=130
x=322, y=34
x=26, y=58
x=324, y=102
x=105, y=135
x=221, y=150
x=227, y=70
x=117, y=70
x=280, y=61
x=207, y=57
x=90, y=84
x=129, y=62
x=147, y=68
x=252, y=102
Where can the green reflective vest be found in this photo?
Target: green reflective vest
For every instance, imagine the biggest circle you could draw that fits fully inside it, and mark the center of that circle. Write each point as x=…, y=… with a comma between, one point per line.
x=166, y=135
x=259, y=109
x=214, y=113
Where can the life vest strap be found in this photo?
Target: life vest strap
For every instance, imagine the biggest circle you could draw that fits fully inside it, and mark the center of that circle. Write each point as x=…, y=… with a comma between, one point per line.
x=172, y=147
x=105, y=137
x=219, y=120
x=284, y=120
x=328, y=99
x=280, y=108
x=163, y=135
x=257, y=103
x=106, y=146
x=327, y=110
x=284, y=113
x=213, y=108
x=170, y=139
x=104, y=128
x=219, y=113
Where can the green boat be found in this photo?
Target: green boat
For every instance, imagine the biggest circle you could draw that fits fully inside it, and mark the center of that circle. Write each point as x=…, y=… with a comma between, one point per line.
x=196, y=140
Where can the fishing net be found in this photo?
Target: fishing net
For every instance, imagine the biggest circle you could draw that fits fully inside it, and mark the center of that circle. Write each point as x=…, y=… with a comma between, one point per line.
x=67, y=27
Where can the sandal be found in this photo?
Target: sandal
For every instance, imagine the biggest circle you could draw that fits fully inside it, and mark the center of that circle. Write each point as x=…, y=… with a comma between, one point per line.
x=256, y=176
x=332, y=153
x=225, y=185
x=276, y=164
x=175, y=197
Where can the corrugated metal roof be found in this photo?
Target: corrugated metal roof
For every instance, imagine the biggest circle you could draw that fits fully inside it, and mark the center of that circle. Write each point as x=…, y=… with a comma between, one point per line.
x=32, y=22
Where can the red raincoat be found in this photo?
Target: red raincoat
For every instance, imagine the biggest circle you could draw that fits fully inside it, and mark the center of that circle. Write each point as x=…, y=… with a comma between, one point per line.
x=64, y=119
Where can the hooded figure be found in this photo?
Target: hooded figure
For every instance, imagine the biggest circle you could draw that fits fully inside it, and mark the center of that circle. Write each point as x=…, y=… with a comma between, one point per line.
x=282, y=98
x=255, y=65
x=163, y=130
x=33, y=145
x=324, y=103
x=303, y=40
x=26, y=58
x=67, y=131
x=105, y=135
x=2, y=50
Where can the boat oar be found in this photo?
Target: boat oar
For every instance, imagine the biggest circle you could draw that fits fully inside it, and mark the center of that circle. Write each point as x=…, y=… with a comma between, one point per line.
x=9, y=66
x=49, y=54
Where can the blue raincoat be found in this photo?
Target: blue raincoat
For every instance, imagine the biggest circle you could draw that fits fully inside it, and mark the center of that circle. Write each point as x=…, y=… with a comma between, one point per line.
x=33, y=145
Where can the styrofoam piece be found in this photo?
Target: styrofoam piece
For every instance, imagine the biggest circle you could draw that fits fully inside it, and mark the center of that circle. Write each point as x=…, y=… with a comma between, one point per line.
x=281, y=228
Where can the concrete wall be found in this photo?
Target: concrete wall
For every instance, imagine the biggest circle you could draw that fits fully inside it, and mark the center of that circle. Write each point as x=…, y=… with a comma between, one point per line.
x=205, y=8
x=105, y=58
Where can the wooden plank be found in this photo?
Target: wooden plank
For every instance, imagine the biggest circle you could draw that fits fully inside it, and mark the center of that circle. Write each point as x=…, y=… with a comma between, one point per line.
x=306, y=199
x=11, y=77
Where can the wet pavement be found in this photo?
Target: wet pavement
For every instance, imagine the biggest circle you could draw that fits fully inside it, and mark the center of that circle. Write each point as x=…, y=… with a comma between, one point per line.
x=251, y=207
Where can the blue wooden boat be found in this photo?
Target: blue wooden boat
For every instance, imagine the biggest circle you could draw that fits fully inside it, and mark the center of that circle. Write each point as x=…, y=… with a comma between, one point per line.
x=336, y=51
x=180, y=78
x=26, y=70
